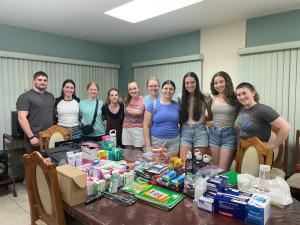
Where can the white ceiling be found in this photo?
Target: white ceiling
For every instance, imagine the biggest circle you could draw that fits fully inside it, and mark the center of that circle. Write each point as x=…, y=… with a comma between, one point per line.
x=85, y=19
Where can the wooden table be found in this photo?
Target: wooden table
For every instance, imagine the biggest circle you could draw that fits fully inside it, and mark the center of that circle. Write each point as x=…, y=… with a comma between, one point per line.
x=108, y=212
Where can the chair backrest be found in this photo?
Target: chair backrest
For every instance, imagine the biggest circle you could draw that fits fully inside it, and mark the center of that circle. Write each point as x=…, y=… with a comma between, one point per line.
x=296, y=154
x=280, y=154
x=43, y=190
x=250, y=154
x=54, y=134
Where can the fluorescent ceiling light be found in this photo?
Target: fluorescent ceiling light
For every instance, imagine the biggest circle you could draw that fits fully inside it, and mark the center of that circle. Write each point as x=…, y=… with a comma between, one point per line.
x=139, y=10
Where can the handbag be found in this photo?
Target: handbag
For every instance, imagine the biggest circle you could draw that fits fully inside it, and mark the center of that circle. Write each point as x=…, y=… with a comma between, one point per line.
x=89, y=128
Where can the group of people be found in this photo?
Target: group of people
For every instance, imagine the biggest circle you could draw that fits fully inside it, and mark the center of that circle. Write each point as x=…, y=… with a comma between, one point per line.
x=157, y=119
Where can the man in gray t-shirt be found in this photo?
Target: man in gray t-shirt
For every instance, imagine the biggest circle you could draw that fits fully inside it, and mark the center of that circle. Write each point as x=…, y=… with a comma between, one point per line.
x=35, y=110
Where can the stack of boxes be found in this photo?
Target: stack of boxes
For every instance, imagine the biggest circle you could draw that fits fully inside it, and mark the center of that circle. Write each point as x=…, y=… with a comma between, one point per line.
x=240, y=205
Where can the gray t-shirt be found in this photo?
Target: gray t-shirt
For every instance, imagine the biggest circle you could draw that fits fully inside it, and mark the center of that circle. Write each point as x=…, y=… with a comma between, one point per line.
x=39, y=107
x=255, y=122
x=223, y=115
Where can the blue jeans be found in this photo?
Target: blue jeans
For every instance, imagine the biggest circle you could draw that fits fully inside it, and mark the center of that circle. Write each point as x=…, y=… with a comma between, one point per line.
x=222, y=137
x=76, y=132
x=194, y=135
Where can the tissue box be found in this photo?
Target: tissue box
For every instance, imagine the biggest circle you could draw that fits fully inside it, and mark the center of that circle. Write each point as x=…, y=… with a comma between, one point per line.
x=258, y=209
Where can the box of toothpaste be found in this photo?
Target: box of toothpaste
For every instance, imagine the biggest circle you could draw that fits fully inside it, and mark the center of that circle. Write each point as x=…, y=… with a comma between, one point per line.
x=231, y=205
x=217, y=183
x=206, y=203
x=242, y=194
x=258, y=209
x=210, y=194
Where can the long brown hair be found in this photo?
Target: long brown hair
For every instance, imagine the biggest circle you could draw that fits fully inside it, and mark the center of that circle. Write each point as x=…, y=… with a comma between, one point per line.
x=108, y=94
x=229, y=90
x=199, y=100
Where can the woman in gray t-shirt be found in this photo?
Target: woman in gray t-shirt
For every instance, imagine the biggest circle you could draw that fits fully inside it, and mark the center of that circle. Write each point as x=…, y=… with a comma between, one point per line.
x=222, y=136
x=255, y=119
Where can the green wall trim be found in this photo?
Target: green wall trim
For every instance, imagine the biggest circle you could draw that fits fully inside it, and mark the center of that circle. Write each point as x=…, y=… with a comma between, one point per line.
x=170, y=47
x=28, y=41
x=269, y=48
x=276, y=28
x=24, y=40
x=169, y=60
x=19, y=55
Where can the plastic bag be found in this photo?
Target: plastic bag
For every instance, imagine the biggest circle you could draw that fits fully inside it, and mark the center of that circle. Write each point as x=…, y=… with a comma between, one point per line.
x=245, y=181
x=279, y=190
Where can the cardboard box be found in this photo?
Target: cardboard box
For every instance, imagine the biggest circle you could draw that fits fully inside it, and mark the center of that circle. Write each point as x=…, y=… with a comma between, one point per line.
x=72, y=183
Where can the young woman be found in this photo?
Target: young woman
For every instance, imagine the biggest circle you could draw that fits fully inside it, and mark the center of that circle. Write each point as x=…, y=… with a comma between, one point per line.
x=87, y=110
x=132, y=135
x=161, y=121
x=153, y=90
x=192, y=115
x=113, y=112
x=224, y=108
x=255, y=119
x=66, y=109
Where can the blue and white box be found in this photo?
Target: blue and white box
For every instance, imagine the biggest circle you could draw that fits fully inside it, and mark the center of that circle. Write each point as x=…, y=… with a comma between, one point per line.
x=258, y=209
x=206, y=203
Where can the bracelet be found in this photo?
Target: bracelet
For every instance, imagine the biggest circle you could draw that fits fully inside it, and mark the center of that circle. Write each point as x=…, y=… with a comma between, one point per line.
x=33, y=136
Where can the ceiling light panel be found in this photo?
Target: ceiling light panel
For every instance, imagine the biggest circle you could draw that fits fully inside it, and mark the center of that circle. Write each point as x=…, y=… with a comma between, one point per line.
x=140, y=10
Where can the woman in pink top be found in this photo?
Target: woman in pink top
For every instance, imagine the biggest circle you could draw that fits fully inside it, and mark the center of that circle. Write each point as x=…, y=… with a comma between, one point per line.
x=132, y=135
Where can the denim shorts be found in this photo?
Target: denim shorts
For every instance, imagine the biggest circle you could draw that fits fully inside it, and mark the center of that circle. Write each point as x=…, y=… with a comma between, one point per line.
x=76, y=132
x=222, y=137
x=194, y=135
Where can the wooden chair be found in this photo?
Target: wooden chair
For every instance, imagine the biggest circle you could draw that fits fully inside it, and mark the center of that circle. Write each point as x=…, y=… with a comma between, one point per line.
x=43, y=191
x=54, y=134
x=280, y=156
x=250, y=154
x=14, y=150
x=294, y=179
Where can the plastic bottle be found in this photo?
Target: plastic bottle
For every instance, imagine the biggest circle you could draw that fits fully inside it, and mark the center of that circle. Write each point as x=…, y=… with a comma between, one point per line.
x=207, y=159
x=113, y=137
x=264, y=177
x=189, y=166
x=114, y=181
x=198, y=163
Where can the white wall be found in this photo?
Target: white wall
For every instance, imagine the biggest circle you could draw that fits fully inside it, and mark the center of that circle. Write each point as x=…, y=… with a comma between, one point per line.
x=219, y=46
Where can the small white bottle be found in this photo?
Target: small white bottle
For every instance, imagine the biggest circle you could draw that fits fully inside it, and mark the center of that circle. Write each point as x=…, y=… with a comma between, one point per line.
x=113, y=137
